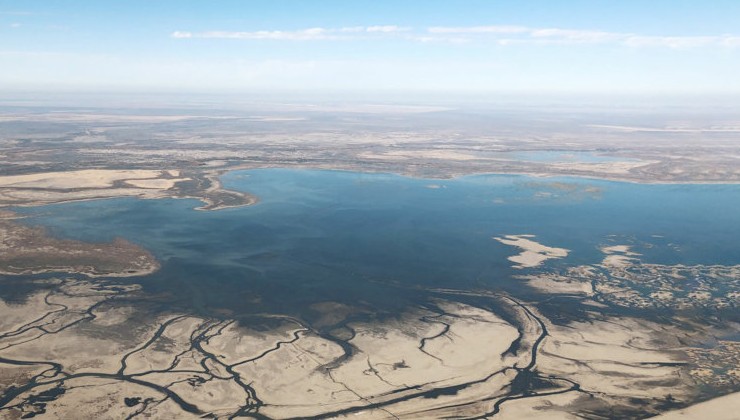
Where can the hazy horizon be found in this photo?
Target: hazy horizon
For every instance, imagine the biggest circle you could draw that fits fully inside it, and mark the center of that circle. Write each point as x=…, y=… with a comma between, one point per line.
x=471, y=47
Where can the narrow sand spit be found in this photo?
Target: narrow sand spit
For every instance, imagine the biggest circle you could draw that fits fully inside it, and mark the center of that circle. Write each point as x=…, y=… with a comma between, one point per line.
x=533, y=253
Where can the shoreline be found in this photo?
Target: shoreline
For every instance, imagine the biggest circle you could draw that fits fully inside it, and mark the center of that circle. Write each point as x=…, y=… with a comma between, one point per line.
x=439, y=177
x=249, y=199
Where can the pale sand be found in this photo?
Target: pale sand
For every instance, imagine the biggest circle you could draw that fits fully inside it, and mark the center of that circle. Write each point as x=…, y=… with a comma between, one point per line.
x=620, y=261
x=728, y=129
x=623, y=249
x=722, y=408
x=91, y=118
x=237, y=343
x=552, y=407
x=36, y=197
x=77, y=351
x=296, y=372
x=272, y=119
x=533, y=253
x=174, y=340
x=16, y=315
x=220, y=396
x=15, y=376
x=381, y=156
x=55, y=187
x=94, y=398
x=470, y=403
x=5, y=215
x=592, y=353
x=292, y=382
x=416, y=154
x=619, y=256
x=89, y=178
x=560, y=284
x=387, y=359
x=606, y=168
x=156, y=184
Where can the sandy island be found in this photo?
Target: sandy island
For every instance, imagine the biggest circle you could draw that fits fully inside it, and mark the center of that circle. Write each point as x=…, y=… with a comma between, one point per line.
x=533, y=253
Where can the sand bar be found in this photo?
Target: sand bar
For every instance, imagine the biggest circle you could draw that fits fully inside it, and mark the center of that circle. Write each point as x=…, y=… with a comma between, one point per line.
x=533, y=253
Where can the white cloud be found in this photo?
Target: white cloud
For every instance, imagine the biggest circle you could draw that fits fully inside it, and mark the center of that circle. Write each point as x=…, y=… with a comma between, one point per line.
x=512, y=35
x=352, y=29
x=15, y=25
x=681, y=41
x=181, y=34
x=310, y=34
x=585, y=36
x=496, y=34
x=386, y=29
x=496, y=29
x=301, y=35
x=452, y=39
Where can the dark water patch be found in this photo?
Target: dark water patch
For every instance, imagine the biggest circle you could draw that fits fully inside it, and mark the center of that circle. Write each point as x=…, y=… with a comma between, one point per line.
x=562, y=309
x=38, y=401
x=16, y=289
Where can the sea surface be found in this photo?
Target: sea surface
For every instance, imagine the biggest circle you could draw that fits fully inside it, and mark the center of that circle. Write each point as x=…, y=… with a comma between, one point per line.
x=378, y=239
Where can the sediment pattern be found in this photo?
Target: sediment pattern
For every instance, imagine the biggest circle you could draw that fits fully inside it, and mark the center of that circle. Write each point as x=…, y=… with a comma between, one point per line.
x=105, y=350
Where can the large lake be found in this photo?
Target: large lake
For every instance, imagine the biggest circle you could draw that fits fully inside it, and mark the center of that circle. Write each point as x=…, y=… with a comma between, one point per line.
x=344, y=236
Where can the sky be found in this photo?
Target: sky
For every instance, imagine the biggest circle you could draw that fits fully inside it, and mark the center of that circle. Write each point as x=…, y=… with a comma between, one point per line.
x=513, y=46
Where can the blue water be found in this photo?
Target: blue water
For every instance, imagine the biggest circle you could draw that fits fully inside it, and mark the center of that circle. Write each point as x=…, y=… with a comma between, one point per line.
x=329, y=235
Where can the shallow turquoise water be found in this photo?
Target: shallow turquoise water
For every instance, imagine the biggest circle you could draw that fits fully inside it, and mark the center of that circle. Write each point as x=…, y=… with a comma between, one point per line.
x=328, y=235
